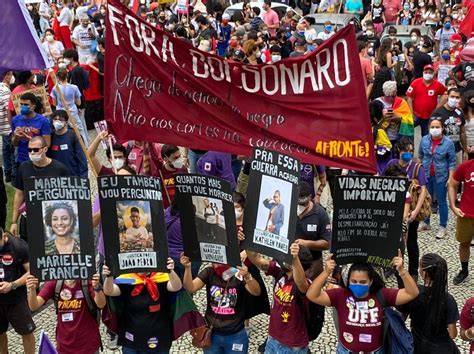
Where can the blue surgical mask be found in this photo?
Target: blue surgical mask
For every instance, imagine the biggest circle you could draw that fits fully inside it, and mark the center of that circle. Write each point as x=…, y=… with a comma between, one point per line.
x=447, y=25
x=328, y=28
x=359, y=290
x=406, y=156
x=25, y=110
x=445, y=56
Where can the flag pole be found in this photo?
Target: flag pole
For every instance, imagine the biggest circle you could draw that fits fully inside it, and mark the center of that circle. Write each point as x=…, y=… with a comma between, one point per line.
x=72, y=121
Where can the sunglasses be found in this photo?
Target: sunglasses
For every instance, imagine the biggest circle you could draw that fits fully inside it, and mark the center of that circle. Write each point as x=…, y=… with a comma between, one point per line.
x=35, y=149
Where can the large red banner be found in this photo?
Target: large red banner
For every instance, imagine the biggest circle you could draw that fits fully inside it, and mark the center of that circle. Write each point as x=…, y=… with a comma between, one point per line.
x=160, y=88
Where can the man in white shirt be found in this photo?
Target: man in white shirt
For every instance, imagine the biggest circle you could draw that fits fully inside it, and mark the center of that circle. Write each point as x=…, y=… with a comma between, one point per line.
x=83, y=36
x=328, y=31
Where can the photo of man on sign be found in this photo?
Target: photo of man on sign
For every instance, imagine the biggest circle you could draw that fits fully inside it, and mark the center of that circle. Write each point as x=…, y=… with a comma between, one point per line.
x=134, y=226
x=209, y=219
x=276, y=215
x=61, y=227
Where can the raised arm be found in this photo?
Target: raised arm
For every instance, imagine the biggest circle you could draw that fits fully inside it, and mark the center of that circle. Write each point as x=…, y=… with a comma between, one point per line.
x=191, y=285
x=315, y=292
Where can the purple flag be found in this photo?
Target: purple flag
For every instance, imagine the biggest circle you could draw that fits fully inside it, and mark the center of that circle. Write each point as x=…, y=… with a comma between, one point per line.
x=20, y=48
x=45, y=345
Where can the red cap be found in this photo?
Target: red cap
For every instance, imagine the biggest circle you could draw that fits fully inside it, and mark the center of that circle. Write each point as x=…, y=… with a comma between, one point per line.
x=428, y=67
x=455, y=37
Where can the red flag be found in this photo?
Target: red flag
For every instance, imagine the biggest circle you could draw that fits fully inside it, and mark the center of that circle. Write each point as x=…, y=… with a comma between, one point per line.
x=467, y=25
x=161, y=89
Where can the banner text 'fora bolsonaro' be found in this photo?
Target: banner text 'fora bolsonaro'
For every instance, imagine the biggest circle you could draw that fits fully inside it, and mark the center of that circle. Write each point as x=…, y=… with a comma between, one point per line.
x=159, y=88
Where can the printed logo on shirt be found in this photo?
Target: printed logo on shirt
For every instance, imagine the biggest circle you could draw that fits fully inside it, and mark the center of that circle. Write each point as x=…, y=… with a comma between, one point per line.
x=470, y=179
x=132, y=156
x=283, y=293
x=152, y=342
x=65, y=294
x=169, y=181
x=348, y=337
x=54, y=148
x=350, y=303
x=207, y=166
x=285, y=317
x=223, y=303
x=410, y=90
x=430, y=92
x=7, y=259
x=369, y=317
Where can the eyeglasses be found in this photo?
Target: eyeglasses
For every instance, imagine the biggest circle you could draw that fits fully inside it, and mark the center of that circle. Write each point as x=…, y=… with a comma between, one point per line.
x=35, y=149
x=436, y=118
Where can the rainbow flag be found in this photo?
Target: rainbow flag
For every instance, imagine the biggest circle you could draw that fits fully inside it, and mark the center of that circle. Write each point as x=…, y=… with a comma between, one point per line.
x=134, y=279
x=401, y=108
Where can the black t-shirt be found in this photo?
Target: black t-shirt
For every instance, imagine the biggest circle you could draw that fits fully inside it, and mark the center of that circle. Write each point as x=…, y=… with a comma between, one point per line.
x=28, y=170
x=314, y=226
x=228, y=318
x=145, y=324
x=420, y=59
x=377, y=12
x=13, y=256
x=79, y=77
x=452, y=121
x=425, y=341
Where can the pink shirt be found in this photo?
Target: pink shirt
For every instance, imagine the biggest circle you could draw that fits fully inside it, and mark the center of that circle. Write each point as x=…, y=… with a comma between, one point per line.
x=270, y=18
x=392, y=8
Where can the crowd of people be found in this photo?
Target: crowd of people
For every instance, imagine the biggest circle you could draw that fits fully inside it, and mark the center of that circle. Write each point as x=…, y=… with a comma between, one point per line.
x=424, y=80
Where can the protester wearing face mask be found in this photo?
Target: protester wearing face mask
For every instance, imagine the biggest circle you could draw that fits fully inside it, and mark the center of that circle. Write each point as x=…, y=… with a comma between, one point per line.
x=406, y=16
x=313, y=228
x=8, y=151
x=117, y=160
x=443, y=35
x=173, y=165
x=378, y=16
x=437, y=154
x=454, y=123
x=53, y=49
x=354, y=7
x=328, y=31
x=362, y=287
x=65, y=146
x=65, y=19
x=423, y=95
x=38, y=165
x=252, y=53
x=422, y=57
x=29, y=124
x=455, y=45
x=82, y=37
x=468, y=107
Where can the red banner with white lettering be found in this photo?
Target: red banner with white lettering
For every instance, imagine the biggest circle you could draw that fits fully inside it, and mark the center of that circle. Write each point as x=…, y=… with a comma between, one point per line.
x=161, y=89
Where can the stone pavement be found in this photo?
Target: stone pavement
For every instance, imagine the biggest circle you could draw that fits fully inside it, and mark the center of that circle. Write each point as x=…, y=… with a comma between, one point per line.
x=326, y=343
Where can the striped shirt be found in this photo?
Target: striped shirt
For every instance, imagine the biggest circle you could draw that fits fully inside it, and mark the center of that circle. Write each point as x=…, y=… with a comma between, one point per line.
x=5, y=94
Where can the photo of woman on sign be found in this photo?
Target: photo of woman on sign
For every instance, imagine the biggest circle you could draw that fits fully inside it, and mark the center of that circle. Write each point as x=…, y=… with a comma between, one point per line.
x=276, y=215
x=61, y=227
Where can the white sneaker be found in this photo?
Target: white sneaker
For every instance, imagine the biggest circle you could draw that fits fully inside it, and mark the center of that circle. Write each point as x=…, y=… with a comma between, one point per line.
x=423, y=227
x=441, y=235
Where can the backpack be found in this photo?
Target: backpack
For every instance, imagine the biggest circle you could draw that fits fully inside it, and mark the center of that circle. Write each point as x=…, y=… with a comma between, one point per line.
x=313, y=316
x=415, y=190
x=396, y=338
x=93, y=309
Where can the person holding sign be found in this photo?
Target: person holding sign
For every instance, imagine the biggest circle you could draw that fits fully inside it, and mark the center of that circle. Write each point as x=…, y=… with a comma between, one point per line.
x=62, y=220
x=77, y=330
x=225, y=290
x=359, y=311
x=145, y=319
x=276, y=215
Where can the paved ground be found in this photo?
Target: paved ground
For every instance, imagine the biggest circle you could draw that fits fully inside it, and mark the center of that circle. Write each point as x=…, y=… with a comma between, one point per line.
x=326, y=342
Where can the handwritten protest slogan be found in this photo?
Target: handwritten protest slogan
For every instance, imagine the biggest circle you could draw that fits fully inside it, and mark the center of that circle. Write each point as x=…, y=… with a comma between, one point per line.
x=208, y=226
x=134, y=226
x=368, y=214
x=270, y=208
x=161, y=88
x=60, y=214
x=39, y=92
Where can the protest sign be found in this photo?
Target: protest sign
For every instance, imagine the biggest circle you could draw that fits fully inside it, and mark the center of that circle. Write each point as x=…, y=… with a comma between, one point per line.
x=60, y=214
x=133, y=224
x=101, y=126
x=368, y=215
x=270, y=208
x=206, y=210
x=443, y=72
x=39, y=92
x=158, y=87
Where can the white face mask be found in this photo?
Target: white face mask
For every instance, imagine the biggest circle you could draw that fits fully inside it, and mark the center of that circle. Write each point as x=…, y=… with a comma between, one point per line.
x=258, y=54
x=238, y=214
x=436, y=132
x=34, y=157
x=12, y=80
x=427, y=76
x=67, y=62
x=62, y=65
x=49, y=37
x=178, y=163
x=276, y=58
x=414, y=38
x=452, y=102
x=117, y=163
x=58, y=125
x=369, y=33
x=300, y=209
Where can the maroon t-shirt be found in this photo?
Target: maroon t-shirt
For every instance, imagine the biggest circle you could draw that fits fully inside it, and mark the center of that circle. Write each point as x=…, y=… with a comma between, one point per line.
x=77, y=330
x=360, y=320
x=466, y=320
x=170, y=185
x=287, y=323
x=106, y=171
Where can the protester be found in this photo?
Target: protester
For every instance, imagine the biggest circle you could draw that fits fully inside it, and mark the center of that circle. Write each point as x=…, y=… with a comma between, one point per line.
x=77, y=329
x=54, y=49
x=148, y=302
x=468, y=107
x=434, y=312
x=117, y=157
x=65, y=20
x=217, y=164
x=173, y=165
x=361, y=328
x=467, y=322
x=83, y=37
x=225, y=294
x=437, y=154
x=8, y=152
x=270, y=18
x=464, y=214
x=13, y=303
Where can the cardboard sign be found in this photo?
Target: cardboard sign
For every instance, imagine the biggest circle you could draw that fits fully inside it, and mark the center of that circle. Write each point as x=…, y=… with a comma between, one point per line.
x=206, y=210
x=368, y=214
x=133, y=224
x=60, y=217
x=39, y=92
x=270, y=208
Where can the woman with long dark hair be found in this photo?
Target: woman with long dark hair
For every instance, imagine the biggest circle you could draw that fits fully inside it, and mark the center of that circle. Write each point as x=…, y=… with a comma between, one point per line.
x=434, y=313
x=359, y=312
